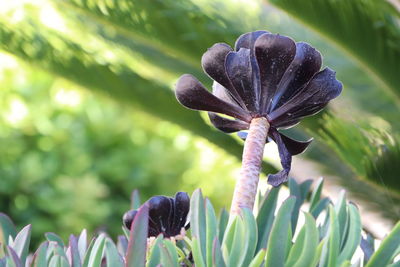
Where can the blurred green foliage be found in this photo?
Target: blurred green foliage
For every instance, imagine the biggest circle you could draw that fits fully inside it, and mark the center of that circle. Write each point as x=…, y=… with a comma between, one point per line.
x=70, y=159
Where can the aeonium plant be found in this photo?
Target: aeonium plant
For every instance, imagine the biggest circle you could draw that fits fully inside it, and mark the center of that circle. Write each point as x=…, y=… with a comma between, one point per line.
x=266, y=83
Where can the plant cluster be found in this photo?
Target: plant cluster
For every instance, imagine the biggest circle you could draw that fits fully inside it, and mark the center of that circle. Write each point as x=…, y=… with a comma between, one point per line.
x=328, y=234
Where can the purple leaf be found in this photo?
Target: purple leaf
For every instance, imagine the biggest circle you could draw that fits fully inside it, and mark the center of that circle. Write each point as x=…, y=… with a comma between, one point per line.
x=213, y=63
x=227, y=125
x=286, y=160
x=192, y=94
x=75, y=259
x=222, y=93
x=305, y=64
x=322, y=88
x=181, y=210
x=274, y=54
x=293, y=146
x=247, y=40
x=160, y=214
x=240, y=72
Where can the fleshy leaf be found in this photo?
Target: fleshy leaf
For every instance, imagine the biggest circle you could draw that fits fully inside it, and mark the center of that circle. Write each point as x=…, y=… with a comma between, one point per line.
x=222, y=93
x=136, y=254
x=293, y=146
x=305, y=64
x=135, y=199
x=213, y=63
x=227, y=125
x=21, y=243
x=322, y=88
x=192, y=94
x=74, y=251
x=160, y=214
x=240, y=72
x=286, y=161
x=181, y=210
x=274, y=54
x=247, y=40
x=7, y=228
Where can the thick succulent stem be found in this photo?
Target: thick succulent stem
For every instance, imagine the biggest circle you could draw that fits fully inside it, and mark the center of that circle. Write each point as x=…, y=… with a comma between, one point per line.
x=246, y=186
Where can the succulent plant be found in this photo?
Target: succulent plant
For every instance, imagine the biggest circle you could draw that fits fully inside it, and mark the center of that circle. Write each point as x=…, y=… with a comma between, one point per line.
x=329, y=234
x=268, y=82
x=167, y=215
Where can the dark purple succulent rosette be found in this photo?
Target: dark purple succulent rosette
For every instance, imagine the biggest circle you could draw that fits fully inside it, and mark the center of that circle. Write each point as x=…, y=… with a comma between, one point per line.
x=167, y=215
x=267, y=75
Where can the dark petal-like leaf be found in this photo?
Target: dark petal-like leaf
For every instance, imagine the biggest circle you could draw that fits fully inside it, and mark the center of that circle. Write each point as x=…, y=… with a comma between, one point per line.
x=227, y=125
x=181, y=210
x=293, y=146
x=286, y=160
x=213, y=63
x=160, y=211
x=274, y=54
x=248, y=39
x=222, y=93
x=322, y=88
x=192, y=94
x=285, y=124
x=240, y=72
x=305, y=64
x=128, y=217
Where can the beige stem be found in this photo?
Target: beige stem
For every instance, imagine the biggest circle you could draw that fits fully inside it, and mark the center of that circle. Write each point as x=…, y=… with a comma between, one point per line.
x=246, y=186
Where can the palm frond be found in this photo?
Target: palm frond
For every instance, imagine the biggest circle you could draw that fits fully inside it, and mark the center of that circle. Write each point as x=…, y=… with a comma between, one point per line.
x=367, y=30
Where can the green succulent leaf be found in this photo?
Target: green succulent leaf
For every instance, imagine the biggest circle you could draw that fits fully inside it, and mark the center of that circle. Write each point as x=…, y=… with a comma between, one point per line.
x=136, y=254
x=197, y=255
x=304, y=249
x=21, y=243
x=330, y=250
x=218, y=259
x=135, y=199
x=387, y=248
x=316, y=194
x=155, y=252
x=73, y=251
x=211, y=231
x=278, y=239
x=265, y=217
x=258, y=259
x=198, y=224
x=112, y=256
x=39, y=258
x=169, y=256
x=250, y=238
x=7, y=228
x=55, y=238
x=222, y=223
x=353, y=237
x=82, y=244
